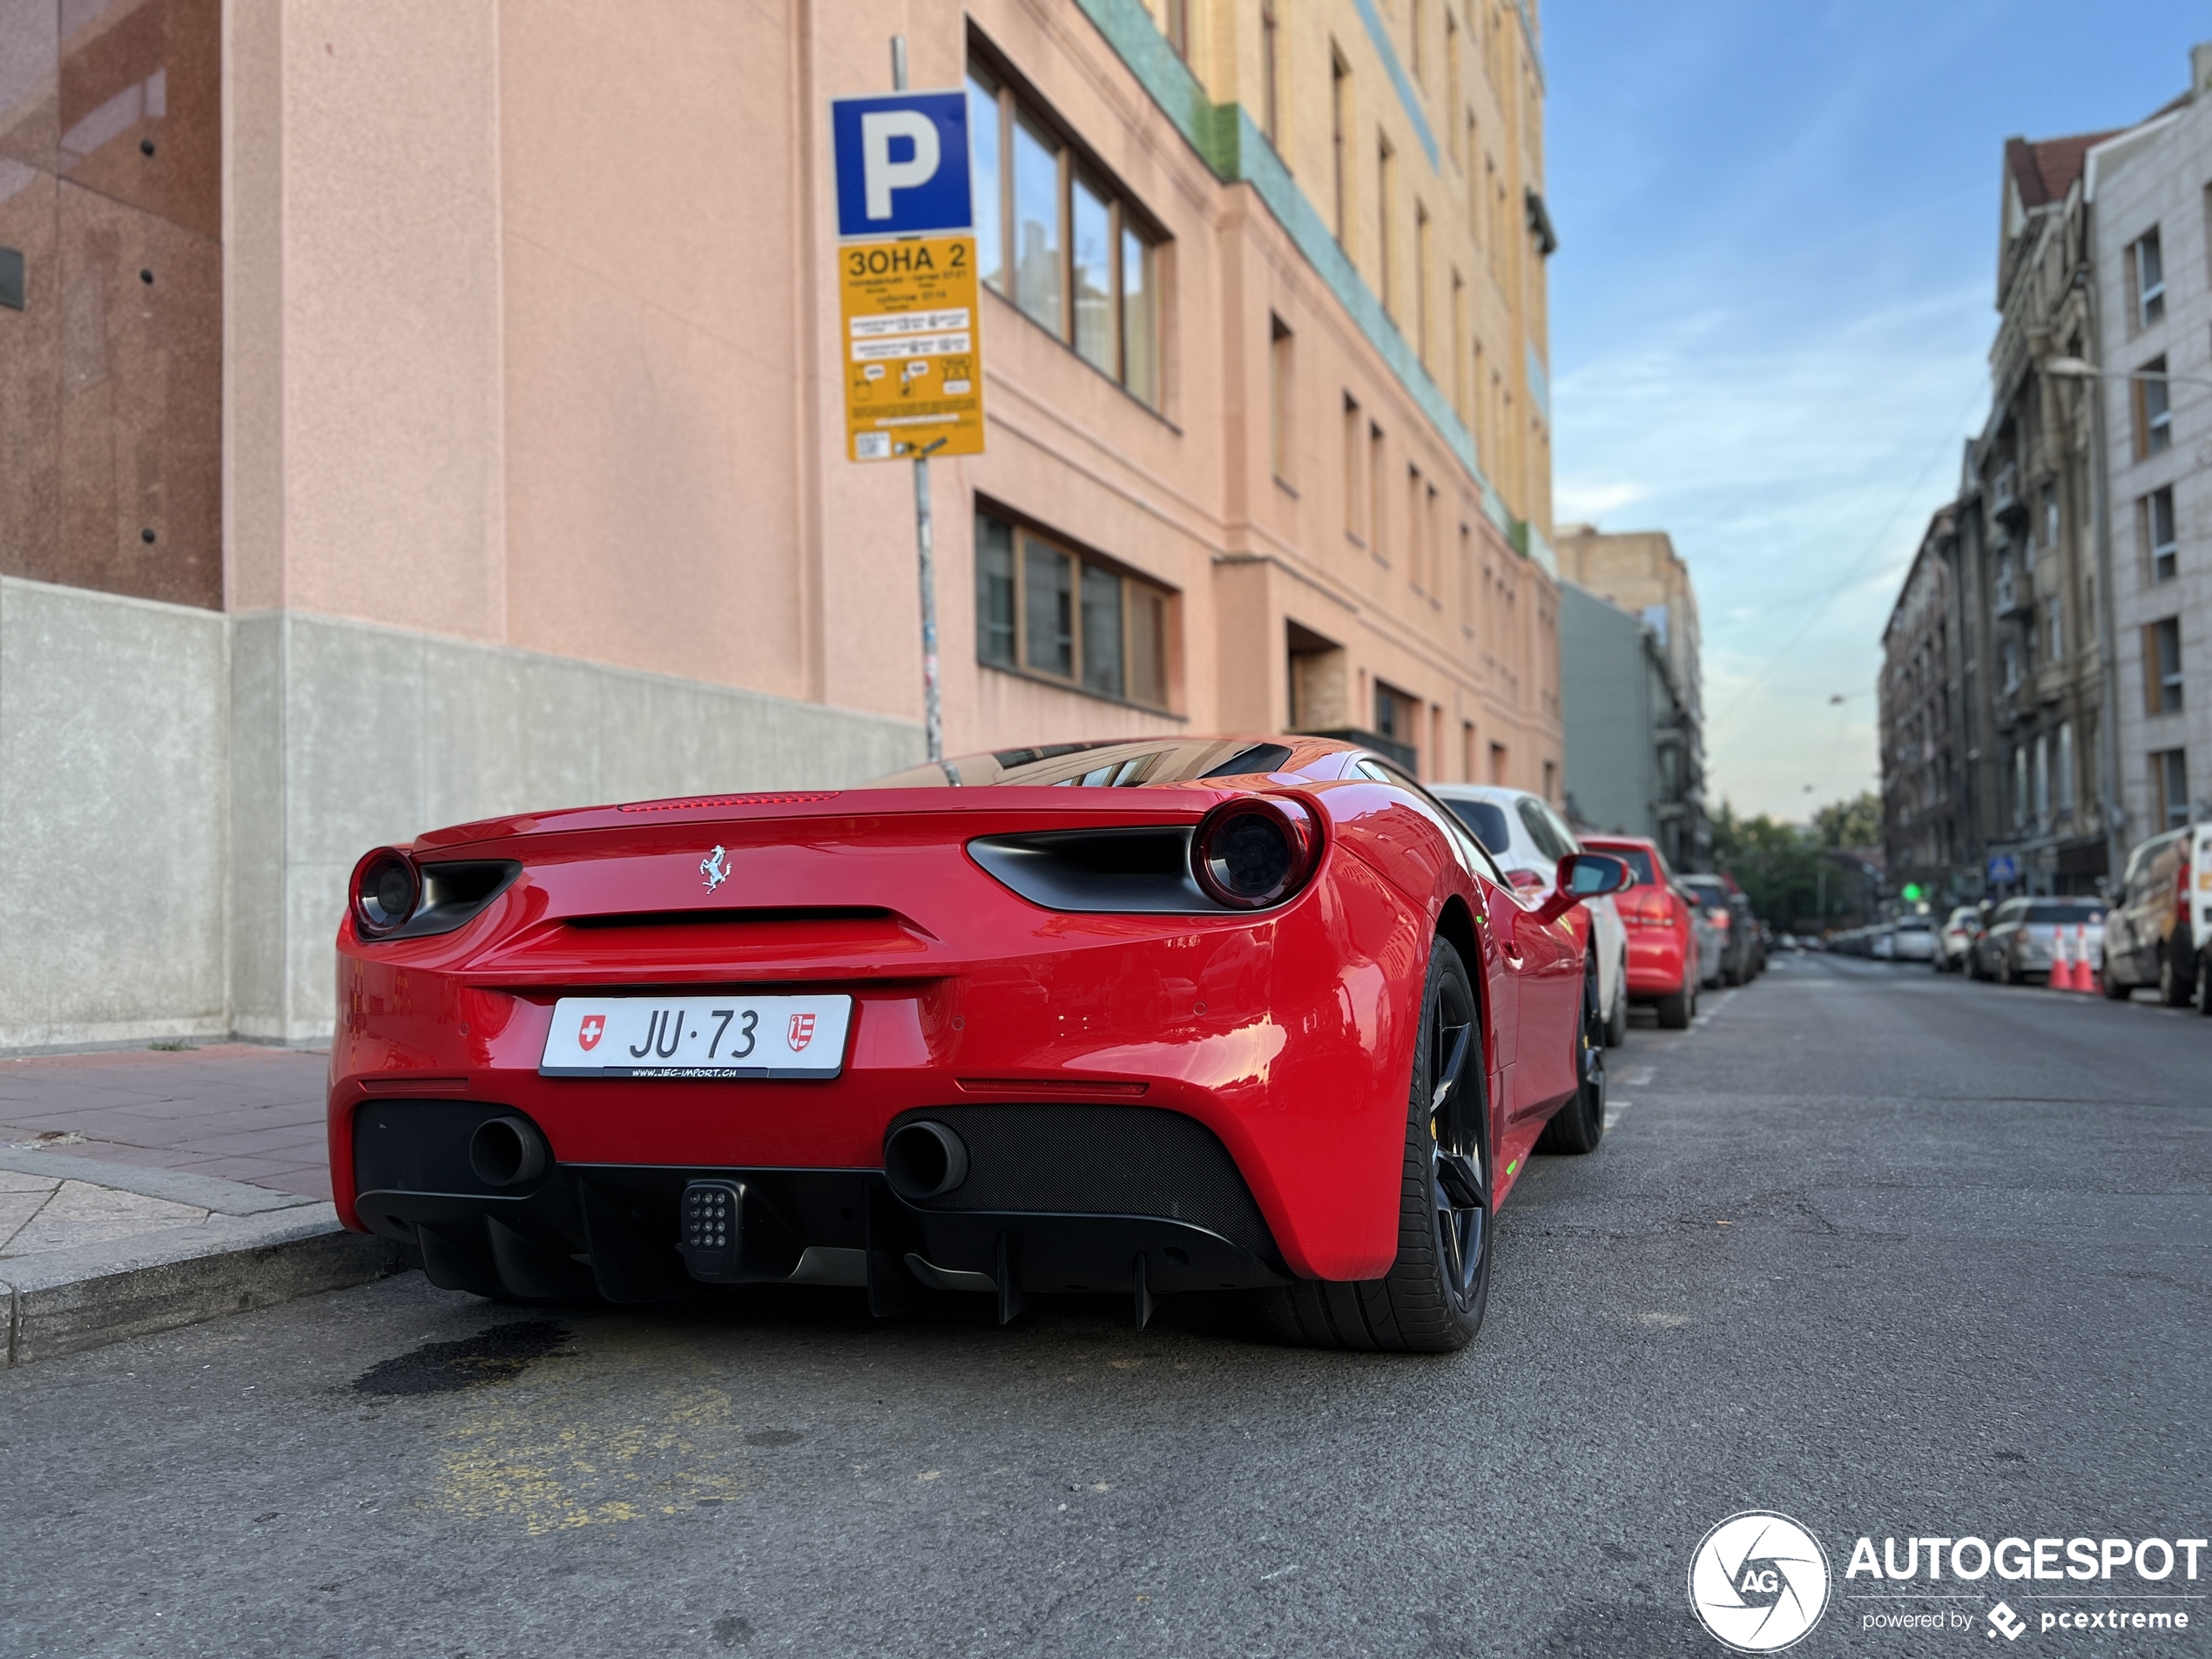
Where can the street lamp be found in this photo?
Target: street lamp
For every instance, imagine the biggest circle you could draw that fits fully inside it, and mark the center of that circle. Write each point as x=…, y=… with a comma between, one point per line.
x=2075, y=369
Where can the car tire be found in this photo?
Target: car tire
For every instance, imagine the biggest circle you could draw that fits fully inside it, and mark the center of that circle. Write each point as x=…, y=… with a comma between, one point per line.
x=2005, y=975
x=2113, y=990
x=2204, y=983
x=1577, y=1127
x=1432, y=1298
x=1676, y=1012
x=1616, y=1027
x=2175, y=983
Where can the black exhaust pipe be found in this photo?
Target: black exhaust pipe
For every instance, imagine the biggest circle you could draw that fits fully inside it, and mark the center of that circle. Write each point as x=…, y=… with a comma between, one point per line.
x=924, y=1159
x=507, y=1152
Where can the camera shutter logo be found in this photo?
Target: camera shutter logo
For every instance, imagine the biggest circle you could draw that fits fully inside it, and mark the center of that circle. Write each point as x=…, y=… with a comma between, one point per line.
x=1759, y=1582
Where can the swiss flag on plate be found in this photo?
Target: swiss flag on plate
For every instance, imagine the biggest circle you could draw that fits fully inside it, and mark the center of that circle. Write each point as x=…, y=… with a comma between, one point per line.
x=802, y=1031
x=587, y=1034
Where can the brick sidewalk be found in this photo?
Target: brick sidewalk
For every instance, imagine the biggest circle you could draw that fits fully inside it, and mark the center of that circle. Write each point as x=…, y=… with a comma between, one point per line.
x=232, y=1110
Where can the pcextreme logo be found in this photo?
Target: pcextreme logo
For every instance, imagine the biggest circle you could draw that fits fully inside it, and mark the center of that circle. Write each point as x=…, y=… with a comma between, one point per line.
x=1759, y=1582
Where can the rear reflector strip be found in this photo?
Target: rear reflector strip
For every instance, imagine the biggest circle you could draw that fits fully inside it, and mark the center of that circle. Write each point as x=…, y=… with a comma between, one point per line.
x=690, y=801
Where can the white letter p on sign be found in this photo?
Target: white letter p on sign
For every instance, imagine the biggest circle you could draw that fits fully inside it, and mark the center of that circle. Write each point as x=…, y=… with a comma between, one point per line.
x=881, y=175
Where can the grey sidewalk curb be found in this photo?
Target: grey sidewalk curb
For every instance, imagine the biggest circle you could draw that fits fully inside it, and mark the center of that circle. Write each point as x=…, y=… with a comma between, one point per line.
x=178, y=1186
x=65, y=1301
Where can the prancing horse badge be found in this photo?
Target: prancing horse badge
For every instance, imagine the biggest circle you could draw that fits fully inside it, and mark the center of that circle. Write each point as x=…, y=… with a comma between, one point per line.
x=713, y=869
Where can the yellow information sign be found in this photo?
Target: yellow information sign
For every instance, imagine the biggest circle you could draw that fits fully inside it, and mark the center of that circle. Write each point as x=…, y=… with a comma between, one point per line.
x=913, y=362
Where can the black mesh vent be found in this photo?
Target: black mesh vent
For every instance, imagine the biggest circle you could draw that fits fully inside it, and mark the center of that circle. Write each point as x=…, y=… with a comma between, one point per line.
x=1101, y=1160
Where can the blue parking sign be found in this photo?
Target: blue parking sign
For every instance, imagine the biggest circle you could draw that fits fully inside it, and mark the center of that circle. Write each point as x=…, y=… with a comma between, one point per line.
x=902, y=163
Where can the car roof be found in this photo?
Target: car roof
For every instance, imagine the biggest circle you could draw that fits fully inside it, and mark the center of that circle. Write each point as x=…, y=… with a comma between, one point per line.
x=1497, y=794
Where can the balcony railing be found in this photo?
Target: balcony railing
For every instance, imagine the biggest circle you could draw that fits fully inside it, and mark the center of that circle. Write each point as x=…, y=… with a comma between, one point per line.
x=2005, y=499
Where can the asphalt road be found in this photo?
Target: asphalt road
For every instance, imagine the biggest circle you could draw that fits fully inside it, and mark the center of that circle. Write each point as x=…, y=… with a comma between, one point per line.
x=1891, y=1254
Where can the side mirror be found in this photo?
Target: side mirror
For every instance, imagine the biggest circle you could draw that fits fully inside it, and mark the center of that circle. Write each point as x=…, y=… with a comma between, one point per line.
x=1584, y=875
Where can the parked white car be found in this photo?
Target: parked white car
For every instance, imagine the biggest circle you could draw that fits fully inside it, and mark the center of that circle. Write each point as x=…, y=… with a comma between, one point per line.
x=1528, y=840
x=1913, y=939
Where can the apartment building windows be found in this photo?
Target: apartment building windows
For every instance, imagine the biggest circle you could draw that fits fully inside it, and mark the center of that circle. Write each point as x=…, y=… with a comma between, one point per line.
x=2050, y=515
x=1052, y=235
x=1339, y=134
x=1271, y=74
x=1452, y=81
x=2169, y=785
x=1459, y=351
x=1415, y=20
x=2160, y=542
x=1045, y=610
x=1279, y=389
x=2162, y=666
x=2019, y=787
x=2055, y=621
x=2062, y=780
x=2147, y=279
x=1416, y=528
x=2154, y=409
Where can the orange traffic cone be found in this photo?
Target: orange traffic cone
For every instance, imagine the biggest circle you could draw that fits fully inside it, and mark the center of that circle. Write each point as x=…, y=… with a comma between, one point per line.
x=2062, y=963
x=2085, y=977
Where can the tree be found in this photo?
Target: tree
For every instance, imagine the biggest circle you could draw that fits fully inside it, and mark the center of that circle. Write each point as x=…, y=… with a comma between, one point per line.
x=1851, y=823
x=1777, y=865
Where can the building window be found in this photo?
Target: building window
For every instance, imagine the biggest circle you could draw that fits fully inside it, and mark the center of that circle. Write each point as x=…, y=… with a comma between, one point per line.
x=2162, y=666
x=1176, y=24
x=2058, y=631
x=1271, y=74
x=2040, y=779
x=2154, y=409
x=1278, y=396
x=1452, y=80
x=1339, y=126
x=1414, y=21
x=1421, y=283
x=2019, y=787
x=1354, y=425
x=2158, y=533
x=1386, y=166
x=1497, y=763
x=1376, y=475
x=1416, y=525
x=1398, y=716
x=2169, y=781
x=2050, y=515
x=1056, y=238
x=2146, y=275
x=1551, y=780
x=2062, y=779
x=1048, y=611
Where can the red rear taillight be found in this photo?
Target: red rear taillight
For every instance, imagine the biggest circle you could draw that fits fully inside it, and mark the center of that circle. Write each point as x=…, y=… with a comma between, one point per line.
x=1251, y=854
x=386, y=889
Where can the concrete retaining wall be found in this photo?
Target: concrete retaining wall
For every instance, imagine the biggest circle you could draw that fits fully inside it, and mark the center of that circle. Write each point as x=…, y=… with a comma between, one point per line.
x=182, y=793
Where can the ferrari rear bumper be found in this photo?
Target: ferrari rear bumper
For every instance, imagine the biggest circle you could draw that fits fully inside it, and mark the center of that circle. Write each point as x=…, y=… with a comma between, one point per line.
x=1057, y=1197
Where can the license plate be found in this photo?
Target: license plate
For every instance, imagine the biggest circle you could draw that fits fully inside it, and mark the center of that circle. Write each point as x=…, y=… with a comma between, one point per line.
x=697, y=1037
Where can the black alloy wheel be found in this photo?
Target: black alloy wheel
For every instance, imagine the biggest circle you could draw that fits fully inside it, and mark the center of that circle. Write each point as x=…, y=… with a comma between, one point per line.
x=2204, y=983
x=1432, y=1298
x=1578, y=1126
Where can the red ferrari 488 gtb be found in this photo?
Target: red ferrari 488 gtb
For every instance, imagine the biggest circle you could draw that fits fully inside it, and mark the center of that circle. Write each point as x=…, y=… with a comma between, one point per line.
x=1137, y=1017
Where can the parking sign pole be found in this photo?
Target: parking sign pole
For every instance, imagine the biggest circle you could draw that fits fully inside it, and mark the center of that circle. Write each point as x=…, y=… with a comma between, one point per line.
x=932, y=709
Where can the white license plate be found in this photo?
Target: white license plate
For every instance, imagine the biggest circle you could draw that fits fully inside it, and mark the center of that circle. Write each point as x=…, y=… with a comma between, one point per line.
x=697, y=1037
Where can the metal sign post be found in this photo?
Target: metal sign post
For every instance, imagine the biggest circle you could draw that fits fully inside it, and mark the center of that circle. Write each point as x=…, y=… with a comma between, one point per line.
x=933, y=710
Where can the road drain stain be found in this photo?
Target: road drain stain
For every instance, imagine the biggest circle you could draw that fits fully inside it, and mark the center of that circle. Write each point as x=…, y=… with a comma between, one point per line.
x=639, y=1427
x=498, y=1354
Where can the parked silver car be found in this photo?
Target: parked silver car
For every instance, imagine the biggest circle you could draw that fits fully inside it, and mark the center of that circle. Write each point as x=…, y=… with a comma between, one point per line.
x=2023, y=935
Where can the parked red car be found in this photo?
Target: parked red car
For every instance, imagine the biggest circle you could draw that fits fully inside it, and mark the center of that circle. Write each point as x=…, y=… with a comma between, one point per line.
x=1663, y=967
x=1137, y=1017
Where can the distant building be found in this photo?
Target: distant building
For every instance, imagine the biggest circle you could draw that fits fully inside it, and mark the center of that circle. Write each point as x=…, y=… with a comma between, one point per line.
x=1633, y=767
x=1637, y=572
x=1927, y=811
x=2149, y=209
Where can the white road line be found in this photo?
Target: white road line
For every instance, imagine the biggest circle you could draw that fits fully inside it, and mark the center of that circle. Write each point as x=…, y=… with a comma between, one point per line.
x=1635, y=1077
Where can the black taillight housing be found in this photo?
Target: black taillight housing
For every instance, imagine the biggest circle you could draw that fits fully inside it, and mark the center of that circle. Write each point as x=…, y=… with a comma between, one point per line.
x=393, y=897
x=1255, y=852
x=387, y=890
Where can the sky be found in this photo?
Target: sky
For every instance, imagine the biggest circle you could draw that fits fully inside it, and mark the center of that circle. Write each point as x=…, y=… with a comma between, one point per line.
x=1772, y=305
